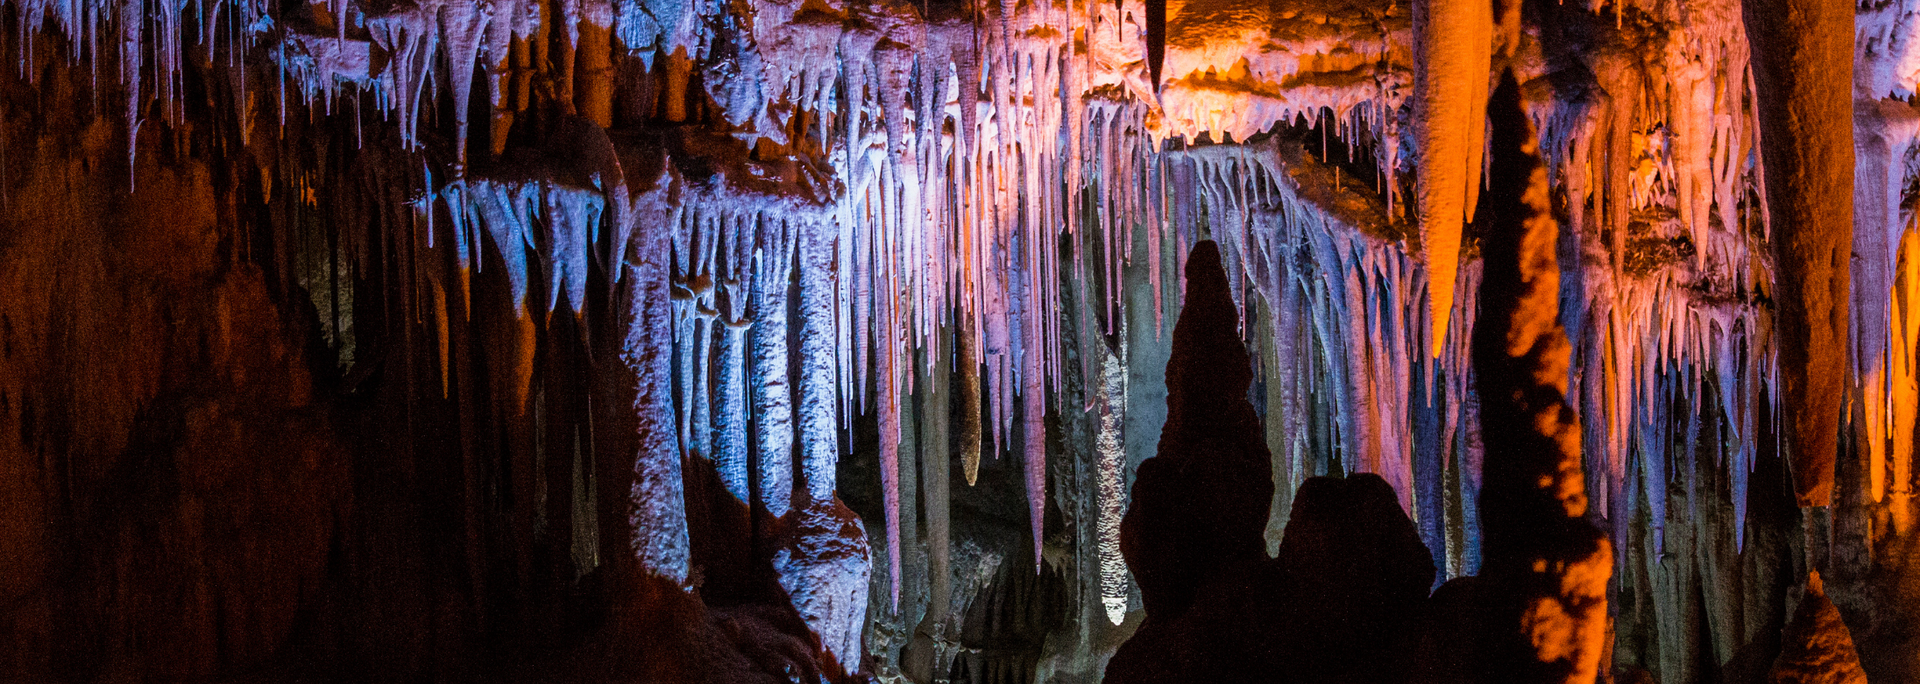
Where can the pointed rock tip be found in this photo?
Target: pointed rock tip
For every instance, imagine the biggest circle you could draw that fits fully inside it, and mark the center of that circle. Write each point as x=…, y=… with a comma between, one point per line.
x=1816, y=644
x=1206, y=278
x=1209, y=360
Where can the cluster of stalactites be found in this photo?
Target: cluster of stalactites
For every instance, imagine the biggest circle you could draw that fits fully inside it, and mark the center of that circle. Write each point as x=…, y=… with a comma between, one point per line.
x=949, y=154
x=964, y=153
x=338, y=48
x=1660, y=333
x=962, y=150
x=1885, y=309
x=1347, y=315
x=146, y=40
x=1886, y=301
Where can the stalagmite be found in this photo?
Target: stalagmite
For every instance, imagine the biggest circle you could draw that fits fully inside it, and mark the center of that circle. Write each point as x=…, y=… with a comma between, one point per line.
x=1211, y=447
x=1818, y=647
x=1550, y=566
x=1803, y=69
x=1111, y=404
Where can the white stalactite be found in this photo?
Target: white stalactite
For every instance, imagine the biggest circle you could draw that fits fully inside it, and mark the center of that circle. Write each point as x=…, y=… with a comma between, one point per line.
x=659, y=516
x=773, y=417
x=730, y=449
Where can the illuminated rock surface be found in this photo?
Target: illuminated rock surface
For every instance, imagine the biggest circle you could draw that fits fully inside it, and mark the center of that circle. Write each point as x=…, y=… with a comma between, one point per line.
x=1817, y=645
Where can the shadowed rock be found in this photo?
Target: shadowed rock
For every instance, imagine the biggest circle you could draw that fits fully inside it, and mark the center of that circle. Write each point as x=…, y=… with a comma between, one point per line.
x=1546, y=567
x=1201, y=503
x=1352, y=574
x=1356, y=577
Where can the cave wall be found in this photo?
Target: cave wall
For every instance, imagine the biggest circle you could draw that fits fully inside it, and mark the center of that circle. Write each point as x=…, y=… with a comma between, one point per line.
x=175, y=481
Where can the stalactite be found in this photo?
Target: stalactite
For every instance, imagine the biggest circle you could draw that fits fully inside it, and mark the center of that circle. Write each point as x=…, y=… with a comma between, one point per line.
x=658, y=513
x=1803, y=65
x=970, y=428
x=773, y=416
x=1905, y=377
x=890, y=440
x=1453, y=48
x=466, y=27
x=506, y=45
x=730, y=449
x=412, y=38
x=825, y=566
x=1033, y=396
x=1885, y=131
x=818, y=425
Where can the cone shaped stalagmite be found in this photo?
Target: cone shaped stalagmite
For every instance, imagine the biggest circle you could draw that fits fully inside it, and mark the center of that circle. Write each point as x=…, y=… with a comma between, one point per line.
x=1817, y=645
x=1211, y=450
x=1547, y=565
x=1334, y=604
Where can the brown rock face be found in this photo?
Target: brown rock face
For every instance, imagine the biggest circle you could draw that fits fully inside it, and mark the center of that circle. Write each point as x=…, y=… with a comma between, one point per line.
x=1803, y=67
x=1817, y=647
x=168, y=481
